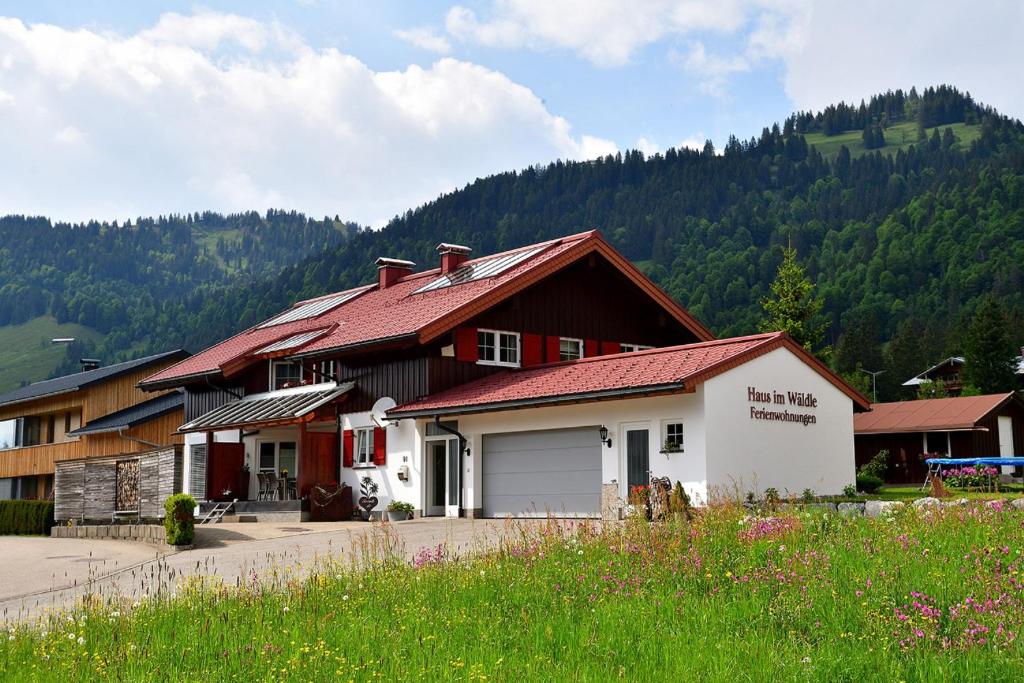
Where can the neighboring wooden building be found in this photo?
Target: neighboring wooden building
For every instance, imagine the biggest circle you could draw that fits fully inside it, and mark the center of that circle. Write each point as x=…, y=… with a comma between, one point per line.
x=959, y=427
x=98, y=412
x=950, y=374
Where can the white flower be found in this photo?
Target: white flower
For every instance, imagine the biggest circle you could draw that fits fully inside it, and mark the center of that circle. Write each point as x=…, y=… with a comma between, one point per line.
x=115, y=614
x=579, y=552
x=71, y=636
x=481, y=572
x=806, y=660
x=344, y=597
x=10, y=637
x=81, y=640
x=286, y=609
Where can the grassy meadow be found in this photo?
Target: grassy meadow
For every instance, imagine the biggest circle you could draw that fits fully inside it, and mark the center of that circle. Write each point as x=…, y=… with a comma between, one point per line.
x=897, y=136
x=794, y=595
x=27, y=354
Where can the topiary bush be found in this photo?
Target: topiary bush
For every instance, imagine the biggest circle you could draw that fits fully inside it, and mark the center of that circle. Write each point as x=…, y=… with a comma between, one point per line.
x=180, y=522
x=868, y=483
x=25, y=517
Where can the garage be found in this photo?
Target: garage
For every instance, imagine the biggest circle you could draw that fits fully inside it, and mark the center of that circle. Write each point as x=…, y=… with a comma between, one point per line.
x=529, y=474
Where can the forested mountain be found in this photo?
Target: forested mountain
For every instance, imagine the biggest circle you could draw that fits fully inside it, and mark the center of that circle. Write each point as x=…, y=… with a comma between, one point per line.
x=902, y=236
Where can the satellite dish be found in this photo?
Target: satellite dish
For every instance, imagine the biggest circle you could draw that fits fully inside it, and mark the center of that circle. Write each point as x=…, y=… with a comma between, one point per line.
x=379, y=411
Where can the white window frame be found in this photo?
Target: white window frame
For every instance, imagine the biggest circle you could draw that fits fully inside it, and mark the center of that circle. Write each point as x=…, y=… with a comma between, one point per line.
x=362, y=447
x=325, y=370
x=631, y=348
x=495, y=347
x=273, y=373
x=664, y=433
x=579, y=343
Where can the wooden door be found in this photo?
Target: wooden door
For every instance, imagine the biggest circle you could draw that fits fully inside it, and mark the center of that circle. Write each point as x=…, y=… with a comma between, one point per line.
x=318, y=460
x=223, y=465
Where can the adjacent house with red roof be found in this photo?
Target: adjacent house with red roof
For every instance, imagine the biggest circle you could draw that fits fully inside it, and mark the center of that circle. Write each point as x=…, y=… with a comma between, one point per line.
x=990, y=426
x=549, y=378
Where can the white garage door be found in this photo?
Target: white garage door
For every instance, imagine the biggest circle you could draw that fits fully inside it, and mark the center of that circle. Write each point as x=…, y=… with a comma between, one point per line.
x=532, y=474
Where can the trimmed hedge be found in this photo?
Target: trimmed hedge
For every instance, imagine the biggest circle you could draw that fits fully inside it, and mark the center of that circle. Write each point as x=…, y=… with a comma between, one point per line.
x=26, y=517
x=180, y=522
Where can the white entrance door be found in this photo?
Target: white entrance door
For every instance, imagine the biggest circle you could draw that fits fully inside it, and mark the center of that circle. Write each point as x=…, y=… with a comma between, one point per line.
x=442, y=480
x=1006, y=440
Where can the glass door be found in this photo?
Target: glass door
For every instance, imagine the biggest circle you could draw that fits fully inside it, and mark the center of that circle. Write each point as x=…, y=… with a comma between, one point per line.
x=443, y=478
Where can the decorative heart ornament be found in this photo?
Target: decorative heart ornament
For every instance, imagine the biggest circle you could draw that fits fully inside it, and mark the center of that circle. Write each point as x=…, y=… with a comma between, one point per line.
x=368, y=502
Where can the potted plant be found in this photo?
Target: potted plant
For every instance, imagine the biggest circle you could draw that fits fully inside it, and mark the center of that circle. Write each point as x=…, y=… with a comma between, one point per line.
x=398, y=511
x=670, y=446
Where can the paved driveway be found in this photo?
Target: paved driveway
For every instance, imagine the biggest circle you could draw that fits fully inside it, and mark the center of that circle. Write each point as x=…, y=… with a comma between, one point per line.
x=42, y=574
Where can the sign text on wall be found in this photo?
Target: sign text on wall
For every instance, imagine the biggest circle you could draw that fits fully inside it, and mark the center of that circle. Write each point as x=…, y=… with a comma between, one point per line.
x=788, y=399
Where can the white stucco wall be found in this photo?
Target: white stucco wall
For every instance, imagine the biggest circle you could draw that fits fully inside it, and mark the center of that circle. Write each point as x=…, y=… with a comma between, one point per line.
x=746, y=454
x=404, y=446
x=688, y=467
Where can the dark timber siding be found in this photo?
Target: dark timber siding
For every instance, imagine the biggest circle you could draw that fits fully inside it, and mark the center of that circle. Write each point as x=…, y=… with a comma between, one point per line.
x=403, y=379
x=199, y=401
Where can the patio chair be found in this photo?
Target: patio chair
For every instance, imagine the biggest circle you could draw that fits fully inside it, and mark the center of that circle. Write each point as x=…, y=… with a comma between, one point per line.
x=273, y=487
x=290, y=489
x=261, y=482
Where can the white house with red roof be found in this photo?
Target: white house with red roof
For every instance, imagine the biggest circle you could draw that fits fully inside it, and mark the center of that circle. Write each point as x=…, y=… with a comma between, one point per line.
x=548, y=379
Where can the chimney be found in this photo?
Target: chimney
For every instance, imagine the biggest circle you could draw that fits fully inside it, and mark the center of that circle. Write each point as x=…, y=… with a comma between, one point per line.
x=452, y=256
x=391, y=269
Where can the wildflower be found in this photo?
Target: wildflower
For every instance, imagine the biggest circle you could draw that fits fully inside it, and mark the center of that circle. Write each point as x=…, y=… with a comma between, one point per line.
x=286, y=609
x=71, y=636
x=81, y=640
x=805, y=660
x=344, y=597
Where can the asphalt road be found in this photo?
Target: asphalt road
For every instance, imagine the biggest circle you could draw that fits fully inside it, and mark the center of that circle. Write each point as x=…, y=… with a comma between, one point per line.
x=40, y=575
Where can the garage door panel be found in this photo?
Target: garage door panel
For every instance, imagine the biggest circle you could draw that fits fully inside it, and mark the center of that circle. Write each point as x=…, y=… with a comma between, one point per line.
x=534, y=474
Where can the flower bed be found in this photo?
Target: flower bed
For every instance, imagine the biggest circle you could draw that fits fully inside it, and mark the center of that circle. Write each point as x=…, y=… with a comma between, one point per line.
x=971, y=477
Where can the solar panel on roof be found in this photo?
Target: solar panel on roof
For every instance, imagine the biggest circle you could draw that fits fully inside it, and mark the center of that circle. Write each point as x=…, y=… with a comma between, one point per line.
x=312, y=309
x=480, y=270
x=291, y=342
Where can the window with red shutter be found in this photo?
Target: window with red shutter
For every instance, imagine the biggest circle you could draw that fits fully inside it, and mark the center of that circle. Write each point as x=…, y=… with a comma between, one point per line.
x=533, y=349
x=466, y=345
x=553, y=349
x=347, y=448
x=380, y=452
x=608, y=348
x=590, y=348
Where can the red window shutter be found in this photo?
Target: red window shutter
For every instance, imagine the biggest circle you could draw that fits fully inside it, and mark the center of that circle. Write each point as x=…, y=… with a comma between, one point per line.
x=608, y=348
x=347, y=449
x=590, y=348
x=553, y=349
x=533, y=349
x=380, y=450
x=465, y=345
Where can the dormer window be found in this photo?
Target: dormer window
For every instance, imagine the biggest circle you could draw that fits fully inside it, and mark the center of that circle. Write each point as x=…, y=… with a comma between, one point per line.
x=495, y=347
x=570, y=349
x=285, y=373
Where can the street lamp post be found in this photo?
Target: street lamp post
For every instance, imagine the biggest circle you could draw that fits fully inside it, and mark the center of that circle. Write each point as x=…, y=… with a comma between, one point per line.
x=874, y=374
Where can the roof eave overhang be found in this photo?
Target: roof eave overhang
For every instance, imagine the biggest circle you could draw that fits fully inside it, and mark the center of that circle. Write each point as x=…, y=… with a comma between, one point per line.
x=174, y=382
x=306, y=414
x=398, y=339
x=40, y=397
x=919, y=430
x=85, y=431
x=543, y=401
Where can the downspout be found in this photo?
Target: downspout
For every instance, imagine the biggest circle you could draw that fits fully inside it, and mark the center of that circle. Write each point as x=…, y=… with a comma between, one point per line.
x=463, y=452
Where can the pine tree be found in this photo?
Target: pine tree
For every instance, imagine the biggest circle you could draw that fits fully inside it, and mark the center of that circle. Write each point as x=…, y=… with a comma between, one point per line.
x=991, y=356
x=793, y=307
x=905, y=358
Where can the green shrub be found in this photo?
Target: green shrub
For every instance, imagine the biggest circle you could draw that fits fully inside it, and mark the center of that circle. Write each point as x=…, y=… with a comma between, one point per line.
x=877, y=466
x=868, y=483
x=772, y=499
x=400, y=506
x=850, y=491
x=179, y=522
x=807, y=496
x=25, y=517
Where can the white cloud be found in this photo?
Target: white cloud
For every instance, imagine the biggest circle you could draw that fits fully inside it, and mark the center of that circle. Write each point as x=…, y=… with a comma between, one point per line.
x=648, y=147
x=606, y=32
x=712, y=71
x=693, y=142
x=844, y=51
x=425, y=39
x=221, y=117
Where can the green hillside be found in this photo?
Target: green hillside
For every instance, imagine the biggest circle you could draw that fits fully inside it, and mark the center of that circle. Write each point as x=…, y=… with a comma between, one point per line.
x=899, y=136
x=26, y=354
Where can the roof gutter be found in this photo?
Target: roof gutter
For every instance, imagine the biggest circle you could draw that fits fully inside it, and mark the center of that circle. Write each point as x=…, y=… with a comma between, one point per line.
x=582, y=397
x=126, y=437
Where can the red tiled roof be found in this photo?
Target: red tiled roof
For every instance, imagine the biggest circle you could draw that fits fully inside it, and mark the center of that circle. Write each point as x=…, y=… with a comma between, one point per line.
x=651, y=371
x=376, y=315
x=927, y=415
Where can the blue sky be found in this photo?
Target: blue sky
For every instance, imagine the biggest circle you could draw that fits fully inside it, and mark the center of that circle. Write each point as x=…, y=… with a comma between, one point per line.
x=365, y=109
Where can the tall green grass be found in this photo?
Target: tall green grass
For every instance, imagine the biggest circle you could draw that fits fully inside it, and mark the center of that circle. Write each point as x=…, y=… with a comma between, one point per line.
x=918, y=596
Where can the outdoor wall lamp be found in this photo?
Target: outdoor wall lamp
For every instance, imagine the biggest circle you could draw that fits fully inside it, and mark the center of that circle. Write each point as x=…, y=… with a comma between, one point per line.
x=605, y=439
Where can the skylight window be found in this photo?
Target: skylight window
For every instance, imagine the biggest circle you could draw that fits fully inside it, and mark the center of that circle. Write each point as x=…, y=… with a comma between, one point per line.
x=291, y=342
x=480, y=270
x=313, y=308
